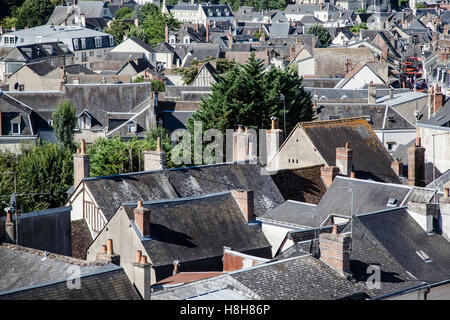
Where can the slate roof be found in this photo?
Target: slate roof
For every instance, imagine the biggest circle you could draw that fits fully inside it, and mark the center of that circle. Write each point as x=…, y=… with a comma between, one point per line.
x=110, y=191
x=291, y=212
x=370, y=158
x=439, y=182
x=440, y=119
x=197, y=228
x=22, y=267
x=402, y=237
x=302, y=184
x=81, y=238
x=106, y=285
x=299, y=278
x=41, y=68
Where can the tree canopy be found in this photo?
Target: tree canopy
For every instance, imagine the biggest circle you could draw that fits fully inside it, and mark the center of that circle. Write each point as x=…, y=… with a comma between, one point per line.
x=249, y=96
x=320, y=32
x=34, y=13
x=64, y=122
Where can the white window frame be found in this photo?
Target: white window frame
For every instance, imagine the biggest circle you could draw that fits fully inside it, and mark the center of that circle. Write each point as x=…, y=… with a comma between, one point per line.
x=18, y=127
x=84, y=121
x=98, y=42
x=83, y=43
x=132, y=127
x=111, y=41
x=76, y=44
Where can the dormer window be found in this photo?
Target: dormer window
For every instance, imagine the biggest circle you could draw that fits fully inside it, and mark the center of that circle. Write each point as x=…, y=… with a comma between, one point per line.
x=83, y=43
x=111, y=41
x=15, y=125
x=132, y=128
x=98, y=42
x=75, y=44
x=84, y=121
x=186, y=39
x=172, y=39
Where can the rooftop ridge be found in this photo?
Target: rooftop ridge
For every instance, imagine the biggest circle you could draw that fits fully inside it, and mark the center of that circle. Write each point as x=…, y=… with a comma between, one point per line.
x=336, y=121
x=50, y=255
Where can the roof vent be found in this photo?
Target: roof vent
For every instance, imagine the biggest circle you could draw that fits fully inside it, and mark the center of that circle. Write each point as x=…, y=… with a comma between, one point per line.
x=424, y=256
x=392, y=202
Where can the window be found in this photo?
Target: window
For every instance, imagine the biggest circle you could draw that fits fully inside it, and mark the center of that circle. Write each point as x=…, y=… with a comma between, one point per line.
x=12, y=40
x=16, y=128
x=98, y=42
x=83, y=43
x=75, y=44
x=84, y=122
x=186, y=39
x=6, y=40
x=83, y=57
x=111, y=41
x=132, y=127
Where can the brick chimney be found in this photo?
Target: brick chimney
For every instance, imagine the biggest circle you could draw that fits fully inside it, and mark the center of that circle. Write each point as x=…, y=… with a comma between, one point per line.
x=372, y=93
x=397, y=165
x=292, y=52
x=335, y=250
x=142, y=219
x=245, y=200
x=444, y=208
x=207, y=32
x=274, y=139
x=166, y=33
x=155, y=160
x=80, y=165
x=83, y=20
x=328, y=173
x=142, y=275
x=416, y=164
x=344, y=159
x=108, y=255
x=176, y=264
x=438, y=99
x=10, y=234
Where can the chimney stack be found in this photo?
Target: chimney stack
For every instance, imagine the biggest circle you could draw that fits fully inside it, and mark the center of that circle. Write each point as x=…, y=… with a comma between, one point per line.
x=142, y=275
x=424, y=214
x=207, y=32
x=80, y=165
x=335, y=250
x=438, y=99
x=107, y=254
x=142, y=219
x=10, y=234
x=372, y=93
x=243, y=147
x=245, y=200
x=176, y=264
x=328, y=173
x=416, y=164
x=166, y=33
x=444, y=208
x=155, y=160
x=344, y=159
x=274, y=139
x=397, y=165
x=83, y=20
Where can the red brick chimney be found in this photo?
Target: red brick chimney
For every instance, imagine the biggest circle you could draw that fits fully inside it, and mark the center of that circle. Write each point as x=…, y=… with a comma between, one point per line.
x=176, y=264
x=80, y=165
x=10, y=235
x=438, y=99
x=141, y=276
x=416, y=164
x=328, y=173
x=245, y=200
x=344, y=159
x=335, y=250
x=142, y=219
x=207, y=32
x=107, y=254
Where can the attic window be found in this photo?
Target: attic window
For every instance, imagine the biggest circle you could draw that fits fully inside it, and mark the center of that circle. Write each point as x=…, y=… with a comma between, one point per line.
x=98, y=42
x=132, y=127
x=83, y=43
x=392, y=202
x=368, y=119
x=390, y=118
x=84, y=121
x=75, y=44
x=111, y=41
x=15, y=125
x=424, y=256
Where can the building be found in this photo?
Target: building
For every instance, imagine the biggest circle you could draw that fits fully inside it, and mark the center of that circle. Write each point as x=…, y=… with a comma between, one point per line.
x=200, y=13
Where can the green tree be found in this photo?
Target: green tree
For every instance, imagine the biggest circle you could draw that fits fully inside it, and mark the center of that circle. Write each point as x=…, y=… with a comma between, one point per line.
x=358, y=27
x=118, y=29
x=421, y=5
x=123, y=13
x=64, y=122
x=8, y=7
x=320, y=32
x=247, y=95
x=153, y=22
x=34, y=13
x=8, y=22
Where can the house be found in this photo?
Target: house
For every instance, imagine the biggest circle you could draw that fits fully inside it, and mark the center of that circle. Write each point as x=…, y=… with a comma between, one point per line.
x=56, y=54
x=200, y=13
x=360, y=76
x=187, y=232
x=206, y=76
x=133, y=46
x=351, y=144
x=342, y=38
x=87, y=45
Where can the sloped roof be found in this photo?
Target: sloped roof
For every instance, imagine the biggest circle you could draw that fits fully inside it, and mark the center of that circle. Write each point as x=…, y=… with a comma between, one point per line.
x=292, y=212
x=439, y=182
x=105, y=285
x=197, y=228
x=370, y=158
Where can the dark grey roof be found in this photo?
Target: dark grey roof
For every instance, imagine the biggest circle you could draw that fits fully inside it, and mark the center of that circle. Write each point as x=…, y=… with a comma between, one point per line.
x=41, y=68
x=280, y=30
x=401, y=153
x=439, y=182
x=299, y=278
x=197, y=228
x=370, y=158
x=292, y=212
x=441, y=118
x=22, y=267
x=109, y=192
x=402, y=237
x=105, y=285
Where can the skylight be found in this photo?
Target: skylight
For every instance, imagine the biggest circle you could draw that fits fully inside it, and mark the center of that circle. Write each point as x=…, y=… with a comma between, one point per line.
x=424, y=256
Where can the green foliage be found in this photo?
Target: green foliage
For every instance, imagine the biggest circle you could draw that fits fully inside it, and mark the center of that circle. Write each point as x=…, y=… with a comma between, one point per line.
x=124, y=13
x=360, y=10
x=257, y=4
x=8, y=22
x=34, y=13
x=138, y=79
x=158, y=85
x=44, y=174
x=358, y=27
x=421, y=5
x=112, y=156
x=321, y=32
x=247, y=95
x=223, y=65
x=64, y=122
x=118, y=29
x=188, y=74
